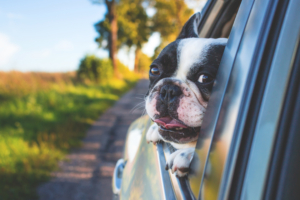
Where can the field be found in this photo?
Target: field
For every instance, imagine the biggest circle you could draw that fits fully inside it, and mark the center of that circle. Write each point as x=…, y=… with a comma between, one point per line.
x=43, y=116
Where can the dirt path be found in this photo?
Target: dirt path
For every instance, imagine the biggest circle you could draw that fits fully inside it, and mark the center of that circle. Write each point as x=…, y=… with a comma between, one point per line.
x=87, y=175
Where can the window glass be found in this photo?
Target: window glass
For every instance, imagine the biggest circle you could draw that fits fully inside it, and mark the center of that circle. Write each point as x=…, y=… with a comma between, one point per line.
x=196, y=5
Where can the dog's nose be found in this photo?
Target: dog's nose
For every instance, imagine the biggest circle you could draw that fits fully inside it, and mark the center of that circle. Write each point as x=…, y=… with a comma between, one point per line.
x=168, y=93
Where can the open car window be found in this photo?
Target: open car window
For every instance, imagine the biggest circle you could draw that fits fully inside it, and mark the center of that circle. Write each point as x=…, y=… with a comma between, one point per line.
x=218, y=18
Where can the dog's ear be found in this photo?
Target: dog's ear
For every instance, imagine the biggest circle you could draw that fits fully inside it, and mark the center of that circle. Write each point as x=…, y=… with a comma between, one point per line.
x=190, y=28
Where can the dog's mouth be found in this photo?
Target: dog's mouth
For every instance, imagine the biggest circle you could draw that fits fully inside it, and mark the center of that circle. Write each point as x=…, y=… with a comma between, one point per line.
x=173, y=130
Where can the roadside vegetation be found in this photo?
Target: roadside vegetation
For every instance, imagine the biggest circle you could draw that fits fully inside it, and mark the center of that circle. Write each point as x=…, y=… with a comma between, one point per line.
x=44, y=115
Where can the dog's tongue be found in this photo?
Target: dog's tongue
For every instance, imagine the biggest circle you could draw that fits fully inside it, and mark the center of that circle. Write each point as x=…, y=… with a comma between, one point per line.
x=169, y=122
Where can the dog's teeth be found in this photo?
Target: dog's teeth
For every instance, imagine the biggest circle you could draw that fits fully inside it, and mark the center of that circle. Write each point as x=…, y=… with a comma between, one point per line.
x=180, y=128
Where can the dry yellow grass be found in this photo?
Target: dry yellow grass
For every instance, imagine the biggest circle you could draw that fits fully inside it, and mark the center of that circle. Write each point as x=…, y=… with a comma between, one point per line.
x=19, y=83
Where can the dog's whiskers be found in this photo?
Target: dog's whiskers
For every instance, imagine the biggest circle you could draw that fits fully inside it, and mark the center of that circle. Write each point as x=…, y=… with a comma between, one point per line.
x=139, y=98
x=143, y=113
x=138, y=106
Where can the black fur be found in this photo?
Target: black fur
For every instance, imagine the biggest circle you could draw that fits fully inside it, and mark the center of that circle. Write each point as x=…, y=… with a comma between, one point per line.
x=188, y=30
x=209, y=66
x=167, y=64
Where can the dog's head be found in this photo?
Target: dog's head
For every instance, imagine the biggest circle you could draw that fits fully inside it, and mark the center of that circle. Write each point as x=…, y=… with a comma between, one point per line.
x=181, y=80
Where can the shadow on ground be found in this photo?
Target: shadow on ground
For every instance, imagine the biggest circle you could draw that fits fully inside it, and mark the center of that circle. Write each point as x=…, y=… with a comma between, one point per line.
x=87, y=173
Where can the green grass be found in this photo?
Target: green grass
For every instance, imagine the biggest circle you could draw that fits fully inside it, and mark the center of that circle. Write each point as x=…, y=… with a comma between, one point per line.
x=38, y=128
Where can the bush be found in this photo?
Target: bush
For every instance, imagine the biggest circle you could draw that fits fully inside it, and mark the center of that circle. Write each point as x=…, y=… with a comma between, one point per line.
x=97, y=70
x=94, y=69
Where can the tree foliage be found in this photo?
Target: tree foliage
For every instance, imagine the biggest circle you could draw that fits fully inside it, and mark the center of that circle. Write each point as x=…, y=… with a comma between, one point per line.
x=132, y=22
x=132, y=25
x=169, y=19
x=133, y=28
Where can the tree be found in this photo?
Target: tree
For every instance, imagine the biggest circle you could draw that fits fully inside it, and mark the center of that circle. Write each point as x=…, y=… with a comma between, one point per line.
x=134, y=29
x=108, y=30
x=132, y=23
x=169, y=19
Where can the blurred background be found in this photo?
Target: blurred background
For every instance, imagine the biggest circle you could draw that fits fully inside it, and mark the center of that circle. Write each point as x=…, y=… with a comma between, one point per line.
x=62, y=64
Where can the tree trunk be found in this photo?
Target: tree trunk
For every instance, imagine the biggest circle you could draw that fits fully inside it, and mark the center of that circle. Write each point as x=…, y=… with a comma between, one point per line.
x=111, y=6
x=178, y=13
x=136, y=59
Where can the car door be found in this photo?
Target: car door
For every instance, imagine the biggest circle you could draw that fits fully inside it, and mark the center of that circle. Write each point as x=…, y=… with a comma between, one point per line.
x=242, y=127
x=276, y=126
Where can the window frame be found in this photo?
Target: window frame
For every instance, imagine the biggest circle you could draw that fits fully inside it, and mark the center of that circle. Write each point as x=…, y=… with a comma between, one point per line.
x=180, y=186
x=261, y=157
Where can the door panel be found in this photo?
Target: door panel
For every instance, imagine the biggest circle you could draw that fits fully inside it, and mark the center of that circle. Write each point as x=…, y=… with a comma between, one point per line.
x=215, y=102
x=228, y=125
x=271, y=107
x=141, y=178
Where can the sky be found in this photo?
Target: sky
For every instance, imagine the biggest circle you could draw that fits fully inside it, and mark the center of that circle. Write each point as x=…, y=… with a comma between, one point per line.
x=53, y=36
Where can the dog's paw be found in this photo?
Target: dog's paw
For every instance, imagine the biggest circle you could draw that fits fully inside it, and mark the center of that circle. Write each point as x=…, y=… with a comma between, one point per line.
x=152, y=134
x=179, y=161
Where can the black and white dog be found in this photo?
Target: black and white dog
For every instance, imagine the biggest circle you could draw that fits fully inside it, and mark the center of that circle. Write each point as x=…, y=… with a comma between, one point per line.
x=181, y=80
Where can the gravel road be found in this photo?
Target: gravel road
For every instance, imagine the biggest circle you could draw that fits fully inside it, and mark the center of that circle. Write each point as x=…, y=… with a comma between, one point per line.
x=88, y=172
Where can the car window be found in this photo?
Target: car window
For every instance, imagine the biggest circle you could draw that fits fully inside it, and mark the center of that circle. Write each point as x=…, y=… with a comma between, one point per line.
x=217, y=22
x=213, y=110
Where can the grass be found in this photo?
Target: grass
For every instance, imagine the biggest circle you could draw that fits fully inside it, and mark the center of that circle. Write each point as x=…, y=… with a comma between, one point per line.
x=42, y=116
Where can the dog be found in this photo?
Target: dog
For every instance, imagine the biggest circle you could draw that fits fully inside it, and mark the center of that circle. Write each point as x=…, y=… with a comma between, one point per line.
x=181, y=80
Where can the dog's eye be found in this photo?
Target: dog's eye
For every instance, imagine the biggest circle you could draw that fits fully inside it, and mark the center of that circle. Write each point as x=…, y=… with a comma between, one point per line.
x=155, y=71
x=205, y=78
